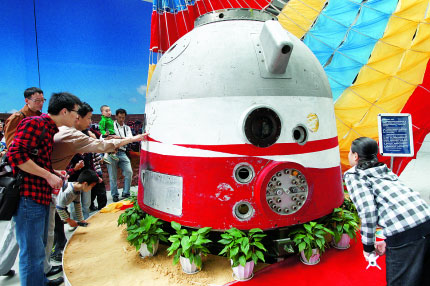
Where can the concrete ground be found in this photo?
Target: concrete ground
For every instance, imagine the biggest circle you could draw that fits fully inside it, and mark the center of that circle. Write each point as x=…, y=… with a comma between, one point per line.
x=415, y=176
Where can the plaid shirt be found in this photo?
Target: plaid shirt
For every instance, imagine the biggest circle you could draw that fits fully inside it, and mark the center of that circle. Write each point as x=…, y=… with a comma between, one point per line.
x=380, y=198
x=27, y=139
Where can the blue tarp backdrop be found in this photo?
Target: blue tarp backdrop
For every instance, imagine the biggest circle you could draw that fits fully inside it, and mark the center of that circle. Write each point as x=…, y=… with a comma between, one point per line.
x=95, y=49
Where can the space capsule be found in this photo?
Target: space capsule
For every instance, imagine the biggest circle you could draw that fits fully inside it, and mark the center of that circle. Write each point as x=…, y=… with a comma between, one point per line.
x=242, y=128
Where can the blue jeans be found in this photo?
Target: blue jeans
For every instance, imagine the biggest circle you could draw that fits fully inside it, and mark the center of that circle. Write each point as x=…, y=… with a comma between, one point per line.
x=127, y=172
x=408, y=264
x=31, y=227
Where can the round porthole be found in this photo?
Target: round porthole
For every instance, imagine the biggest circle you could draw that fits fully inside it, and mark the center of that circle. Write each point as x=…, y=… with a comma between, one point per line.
x=243, y=210
x=300, y=134
x=262, y=127
x=243, y=173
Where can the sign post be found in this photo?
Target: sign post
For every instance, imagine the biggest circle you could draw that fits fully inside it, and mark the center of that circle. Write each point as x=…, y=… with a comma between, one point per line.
x=395, y=135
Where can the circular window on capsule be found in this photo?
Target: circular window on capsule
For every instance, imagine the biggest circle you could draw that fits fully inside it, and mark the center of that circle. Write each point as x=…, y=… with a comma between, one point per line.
x=262, y=127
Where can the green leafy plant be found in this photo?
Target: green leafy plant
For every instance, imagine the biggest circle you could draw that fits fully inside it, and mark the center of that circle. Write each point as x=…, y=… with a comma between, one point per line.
x=310, y=236
x=343, y=221
x=241, y=247
x=189, y=244
x=349, y=205
x=131, y=215
x=148, y=230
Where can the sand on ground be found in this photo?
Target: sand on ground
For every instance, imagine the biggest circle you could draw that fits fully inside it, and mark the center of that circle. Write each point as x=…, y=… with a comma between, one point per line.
x=100, y=255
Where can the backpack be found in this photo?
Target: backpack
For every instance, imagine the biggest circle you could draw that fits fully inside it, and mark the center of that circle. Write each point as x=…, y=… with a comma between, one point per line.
x=10, y=186
x=9, y=191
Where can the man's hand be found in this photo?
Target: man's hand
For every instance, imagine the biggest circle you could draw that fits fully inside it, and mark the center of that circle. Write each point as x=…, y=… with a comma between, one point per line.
x=54, y=181
x=380, y=247
x=79, y=165
x=72, y=222
x=139, y=137
x=62, y=174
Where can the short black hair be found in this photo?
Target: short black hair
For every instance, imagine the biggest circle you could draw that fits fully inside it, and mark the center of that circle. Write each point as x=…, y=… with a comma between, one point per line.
x=121, y=110
x=84, y=109
x=61, y=100
x=31, y=90
x=88, y=176
x=101, y=107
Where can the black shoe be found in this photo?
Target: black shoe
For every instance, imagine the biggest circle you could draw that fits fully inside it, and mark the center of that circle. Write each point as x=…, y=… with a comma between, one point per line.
x=10, y=273
x=125, y=196
x=54, y=270
x=93, y=208
x=57, y=257
x=56, y=281
x=115, y=199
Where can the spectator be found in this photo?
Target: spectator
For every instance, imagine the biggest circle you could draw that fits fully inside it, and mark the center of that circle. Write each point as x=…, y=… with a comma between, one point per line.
x=381, y=199
x=30, y=154
x=106, y=129
x=34, y=100
x=123, y=131
x=86, y=180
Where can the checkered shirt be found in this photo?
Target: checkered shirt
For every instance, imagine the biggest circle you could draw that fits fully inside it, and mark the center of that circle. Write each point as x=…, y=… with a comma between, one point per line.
x=380, y=198
x=27, y=139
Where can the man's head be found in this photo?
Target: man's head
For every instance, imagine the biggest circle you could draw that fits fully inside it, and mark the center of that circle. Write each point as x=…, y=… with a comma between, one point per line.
x=120, y=115
x=34, y=98
x=64, y=106
x=83, y=119
x=88, y=179
x=105, y=110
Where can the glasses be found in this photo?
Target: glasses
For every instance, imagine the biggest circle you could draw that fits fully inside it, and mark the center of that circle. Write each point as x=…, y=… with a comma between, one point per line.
x=38, y=100
x=74, y=110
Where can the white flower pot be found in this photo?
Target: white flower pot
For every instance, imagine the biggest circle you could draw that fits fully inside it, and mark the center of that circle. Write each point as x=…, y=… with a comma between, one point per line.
x=243, y=273
x=314, y=259
x=343, y=242
x=144, y=252
x=187, y=267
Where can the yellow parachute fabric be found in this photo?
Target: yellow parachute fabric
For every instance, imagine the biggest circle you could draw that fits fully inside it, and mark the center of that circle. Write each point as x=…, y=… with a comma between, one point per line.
x=151, y=69
x=299, y=15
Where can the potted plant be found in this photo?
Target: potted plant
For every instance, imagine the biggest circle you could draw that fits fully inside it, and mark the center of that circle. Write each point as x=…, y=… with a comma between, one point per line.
x=146, y=234
x=344, y=225
x=309, y=238
x=188, y=247
x=244, y=250
x=131, y=215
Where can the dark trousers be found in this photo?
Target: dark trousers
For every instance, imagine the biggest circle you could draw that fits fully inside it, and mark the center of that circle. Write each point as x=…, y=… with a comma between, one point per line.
x=99, y=192
x=59, y=235
x=408, y=264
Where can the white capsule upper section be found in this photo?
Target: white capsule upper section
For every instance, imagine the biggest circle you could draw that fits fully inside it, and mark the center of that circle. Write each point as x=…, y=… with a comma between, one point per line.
x=237, y=58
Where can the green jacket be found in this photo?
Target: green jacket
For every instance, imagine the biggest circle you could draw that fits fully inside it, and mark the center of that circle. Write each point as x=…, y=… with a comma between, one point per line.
x=106, y=124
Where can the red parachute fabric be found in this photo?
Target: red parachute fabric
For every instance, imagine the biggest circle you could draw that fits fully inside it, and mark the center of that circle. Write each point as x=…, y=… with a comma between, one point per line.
x=168, y=27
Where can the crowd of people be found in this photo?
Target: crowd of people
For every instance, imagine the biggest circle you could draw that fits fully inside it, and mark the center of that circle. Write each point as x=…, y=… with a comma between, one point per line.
x=58, y=157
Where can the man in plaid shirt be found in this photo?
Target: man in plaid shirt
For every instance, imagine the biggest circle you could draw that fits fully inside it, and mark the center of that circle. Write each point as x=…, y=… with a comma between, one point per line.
x=30, y=155
x=381, y=199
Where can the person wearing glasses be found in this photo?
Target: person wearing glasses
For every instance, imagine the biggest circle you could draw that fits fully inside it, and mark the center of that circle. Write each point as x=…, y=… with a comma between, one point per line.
x=34, y=101
x=30, y=154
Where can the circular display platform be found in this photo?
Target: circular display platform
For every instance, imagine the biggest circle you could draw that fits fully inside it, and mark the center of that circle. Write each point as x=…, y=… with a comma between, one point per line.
x=100, y=255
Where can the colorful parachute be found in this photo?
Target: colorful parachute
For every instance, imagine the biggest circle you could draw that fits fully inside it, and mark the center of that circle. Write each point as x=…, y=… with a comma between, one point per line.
x=375, y=53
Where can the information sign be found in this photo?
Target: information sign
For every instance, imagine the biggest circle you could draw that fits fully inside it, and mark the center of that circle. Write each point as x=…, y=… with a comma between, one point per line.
x=395, y=135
